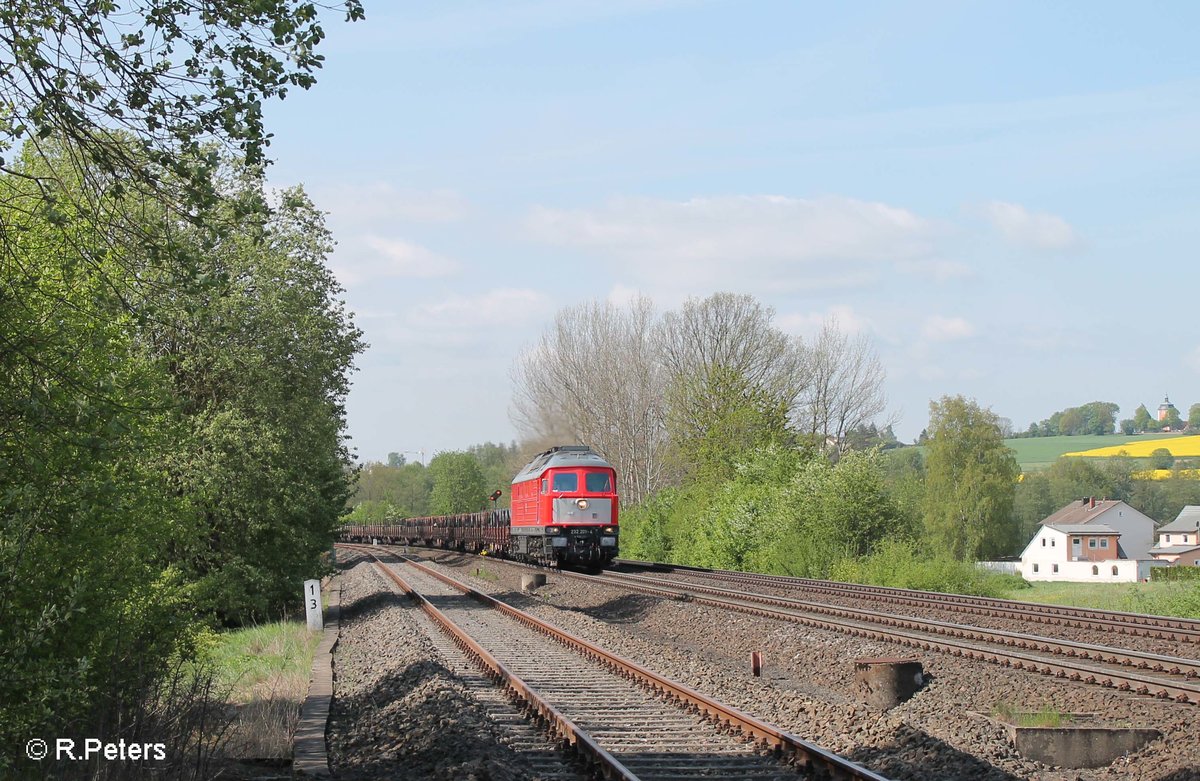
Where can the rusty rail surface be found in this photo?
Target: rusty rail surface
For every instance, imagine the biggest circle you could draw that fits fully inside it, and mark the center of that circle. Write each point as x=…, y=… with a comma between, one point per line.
x=898, y=629
x=802, y=753
x=1137, y=624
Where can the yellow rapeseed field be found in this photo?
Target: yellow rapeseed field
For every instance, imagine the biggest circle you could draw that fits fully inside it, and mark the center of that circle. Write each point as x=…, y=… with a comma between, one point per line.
x=1179, y=447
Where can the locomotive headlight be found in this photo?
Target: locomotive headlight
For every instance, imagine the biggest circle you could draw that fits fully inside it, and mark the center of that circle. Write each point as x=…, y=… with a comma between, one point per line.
x=582, y=504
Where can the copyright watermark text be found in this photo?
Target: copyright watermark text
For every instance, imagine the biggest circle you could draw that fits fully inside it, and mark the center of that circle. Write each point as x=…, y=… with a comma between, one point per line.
x=71, y=750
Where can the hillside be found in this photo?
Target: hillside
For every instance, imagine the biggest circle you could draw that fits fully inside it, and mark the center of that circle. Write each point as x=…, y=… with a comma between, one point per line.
x=1039, y=452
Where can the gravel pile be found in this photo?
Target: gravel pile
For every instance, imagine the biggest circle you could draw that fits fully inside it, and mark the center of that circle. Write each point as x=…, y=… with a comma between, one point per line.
x=398, y=712
x=808, y=687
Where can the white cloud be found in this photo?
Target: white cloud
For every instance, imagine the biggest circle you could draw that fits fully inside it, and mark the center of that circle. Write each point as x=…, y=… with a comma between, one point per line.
x=762, y=242
x=495, y=308
x=375, y=257
x=623, y=295
x=377, y=202
x=935, y=268
x=1027, y=229
x=404, y=259
x=946, y=329
x=466, y=324
x=808, y=324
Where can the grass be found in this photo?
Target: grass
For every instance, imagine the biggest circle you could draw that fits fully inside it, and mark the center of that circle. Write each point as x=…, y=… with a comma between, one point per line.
x=1041, y=452
x=266, y=672
x=1167, y=599
x=1045, y=716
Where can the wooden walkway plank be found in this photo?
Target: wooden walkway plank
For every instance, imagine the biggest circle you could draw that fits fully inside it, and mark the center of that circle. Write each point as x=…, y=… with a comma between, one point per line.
x=309, y=758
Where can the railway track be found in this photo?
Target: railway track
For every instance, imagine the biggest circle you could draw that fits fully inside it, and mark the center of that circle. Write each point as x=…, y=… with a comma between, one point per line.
x=1173, y=677
x=626, y=721
x=1135, y=624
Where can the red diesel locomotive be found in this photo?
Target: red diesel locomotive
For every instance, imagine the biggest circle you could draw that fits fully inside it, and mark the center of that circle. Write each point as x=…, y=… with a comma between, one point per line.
x=564, y=513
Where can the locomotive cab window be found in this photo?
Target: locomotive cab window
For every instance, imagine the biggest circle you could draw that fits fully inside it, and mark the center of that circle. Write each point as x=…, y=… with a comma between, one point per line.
x=566, y=481
x=597, y=483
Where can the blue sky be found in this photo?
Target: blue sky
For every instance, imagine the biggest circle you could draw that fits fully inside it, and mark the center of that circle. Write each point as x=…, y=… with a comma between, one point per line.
x=1003, y=196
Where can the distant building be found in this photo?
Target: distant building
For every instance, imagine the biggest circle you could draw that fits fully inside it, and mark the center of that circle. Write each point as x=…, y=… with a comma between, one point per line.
x=1091, y=540
x=1178, y=542
x=1164, y=409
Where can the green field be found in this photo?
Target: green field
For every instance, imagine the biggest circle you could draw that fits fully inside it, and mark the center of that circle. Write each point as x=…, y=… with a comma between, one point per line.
x=1041, y=452
x=1164, y=599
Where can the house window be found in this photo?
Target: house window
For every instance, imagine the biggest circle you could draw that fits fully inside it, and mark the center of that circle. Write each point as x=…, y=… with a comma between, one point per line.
x=1054, y=567
x=1035, y=567
x=1104, y=542
x=1114, y=569
x=1051, y=542
x=1095, y=570
x=1166, y=538
x=1043, y=542
x=1185, y=538
x=1091, y=542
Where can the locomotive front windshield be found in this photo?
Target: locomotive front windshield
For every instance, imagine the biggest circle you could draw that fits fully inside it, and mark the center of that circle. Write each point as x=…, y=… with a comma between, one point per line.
x=597, y=482
x=593, y=482
x=566, y=481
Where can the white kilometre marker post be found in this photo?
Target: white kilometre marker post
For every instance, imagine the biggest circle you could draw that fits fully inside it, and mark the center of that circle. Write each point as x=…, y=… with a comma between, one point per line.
x=312, y=605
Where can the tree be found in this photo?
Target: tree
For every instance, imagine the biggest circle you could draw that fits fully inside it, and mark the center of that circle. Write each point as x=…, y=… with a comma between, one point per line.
x=458, y=484
x=1142, y=420
x=1128, y=427
x=396, y=459
x=1161, y=458
x=1193, y=421
x=172, y=75
x=737, y=417
x=594, y=378
x=845, y=389
x=1172, y=420
x=725, y=360
x=970, y=481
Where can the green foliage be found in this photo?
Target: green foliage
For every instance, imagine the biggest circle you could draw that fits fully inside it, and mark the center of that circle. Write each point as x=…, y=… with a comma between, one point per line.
x=1095, y=418
x=783, y=511
x=1193, y=421
x=716, y=416
x=1067, y=480
x=1161, y=458
x=175, y=75
x=1174, y=573
x=382, y=490
x=458, y=484
x=172, y=441
x=970, y=482
x=1142, y=420
x=1171, y=420
x=901, y=564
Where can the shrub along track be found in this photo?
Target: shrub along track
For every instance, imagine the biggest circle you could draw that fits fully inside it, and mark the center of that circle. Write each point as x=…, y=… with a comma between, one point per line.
x=626, y=721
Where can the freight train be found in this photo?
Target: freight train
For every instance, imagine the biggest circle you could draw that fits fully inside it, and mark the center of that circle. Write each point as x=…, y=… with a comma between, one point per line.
x=564, y=513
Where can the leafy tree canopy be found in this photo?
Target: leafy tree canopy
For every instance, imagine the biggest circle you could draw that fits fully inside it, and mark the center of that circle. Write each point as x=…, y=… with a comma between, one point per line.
x=173, y=74
x=970, y=481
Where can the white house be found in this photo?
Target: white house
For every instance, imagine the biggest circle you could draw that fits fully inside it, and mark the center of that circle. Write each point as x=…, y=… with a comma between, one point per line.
x=1136, y=529
x=1089, y=541
x=1178, y=542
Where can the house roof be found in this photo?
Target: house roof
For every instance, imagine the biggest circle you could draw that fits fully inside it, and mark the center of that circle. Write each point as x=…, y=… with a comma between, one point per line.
x=1080, y=512
x=1084, y=528
x=1173, y=549
x=1188, y=520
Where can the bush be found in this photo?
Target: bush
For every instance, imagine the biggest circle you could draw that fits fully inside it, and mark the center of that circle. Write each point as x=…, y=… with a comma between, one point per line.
x=902, y=565
x=1174, y=573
